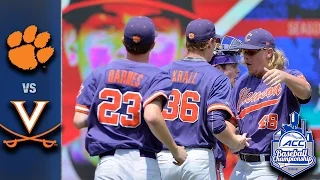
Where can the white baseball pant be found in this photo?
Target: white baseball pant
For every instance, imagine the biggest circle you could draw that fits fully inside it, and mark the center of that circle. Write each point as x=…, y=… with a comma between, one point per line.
x=127, y=164
x=254, y=171
x=199, y=165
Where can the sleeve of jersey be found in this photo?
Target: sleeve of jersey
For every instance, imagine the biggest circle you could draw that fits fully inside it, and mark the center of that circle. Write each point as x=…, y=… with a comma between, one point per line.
x=161, y=85
x=300, y=75
x=85, y=95
x=216, y=121
x=219, y=96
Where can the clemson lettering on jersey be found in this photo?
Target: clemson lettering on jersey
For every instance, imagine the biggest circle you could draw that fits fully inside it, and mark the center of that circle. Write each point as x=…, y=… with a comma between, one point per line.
x=129, y=78
x=184, y=77
x=245, y=97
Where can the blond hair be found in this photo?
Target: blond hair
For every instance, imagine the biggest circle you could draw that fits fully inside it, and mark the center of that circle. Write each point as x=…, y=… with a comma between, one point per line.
x=278, y=60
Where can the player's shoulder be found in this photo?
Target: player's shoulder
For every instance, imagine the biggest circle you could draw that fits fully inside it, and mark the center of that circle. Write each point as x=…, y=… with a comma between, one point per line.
x=197, y=66
x=166, y=68
x=150, y=70
x=213, y=76
x=128, y=65
x=156, y=69
x=294, y=72
x=212, y=72
x=99, y=71
x=157, y=77
x=117, y=63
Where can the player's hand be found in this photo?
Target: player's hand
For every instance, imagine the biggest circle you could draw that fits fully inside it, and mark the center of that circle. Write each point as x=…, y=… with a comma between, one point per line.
x=273, y=77
x=243, y=142
x=180, y=155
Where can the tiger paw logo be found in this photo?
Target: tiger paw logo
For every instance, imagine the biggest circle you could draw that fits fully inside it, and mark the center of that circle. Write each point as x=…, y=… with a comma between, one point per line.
x=27, y=50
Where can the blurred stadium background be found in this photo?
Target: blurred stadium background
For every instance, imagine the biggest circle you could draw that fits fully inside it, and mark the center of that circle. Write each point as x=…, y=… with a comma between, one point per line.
x=92, y=31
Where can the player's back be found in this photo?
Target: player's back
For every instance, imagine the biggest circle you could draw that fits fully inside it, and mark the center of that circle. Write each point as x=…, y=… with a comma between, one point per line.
x=116, y=120
x=195, y=92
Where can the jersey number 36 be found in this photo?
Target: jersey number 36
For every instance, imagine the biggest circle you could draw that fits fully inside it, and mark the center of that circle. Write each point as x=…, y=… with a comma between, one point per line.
x=117, y=100
x=183, y=106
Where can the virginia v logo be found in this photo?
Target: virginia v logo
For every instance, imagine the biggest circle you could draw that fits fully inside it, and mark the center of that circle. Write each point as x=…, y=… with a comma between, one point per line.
x=292, y=148
x=29, y=123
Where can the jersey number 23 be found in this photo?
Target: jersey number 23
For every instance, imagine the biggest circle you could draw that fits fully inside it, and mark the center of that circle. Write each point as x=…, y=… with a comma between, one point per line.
x=107, y=112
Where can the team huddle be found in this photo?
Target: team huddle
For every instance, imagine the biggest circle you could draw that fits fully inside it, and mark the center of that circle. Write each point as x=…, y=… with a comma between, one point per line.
x=177, y=122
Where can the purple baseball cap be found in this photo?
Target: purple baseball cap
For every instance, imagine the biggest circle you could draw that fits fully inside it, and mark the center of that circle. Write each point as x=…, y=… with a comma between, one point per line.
x=201, y=30
x=258, y=39
x=224, y=59
x=139, y=30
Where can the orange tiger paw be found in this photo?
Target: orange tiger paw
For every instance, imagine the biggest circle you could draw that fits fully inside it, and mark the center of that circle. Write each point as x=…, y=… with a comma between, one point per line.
x=23, y=56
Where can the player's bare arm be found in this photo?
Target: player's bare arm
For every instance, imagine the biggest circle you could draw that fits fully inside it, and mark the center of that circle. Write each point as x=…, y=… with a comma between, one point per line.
x=234, y=142
x=219, y=128
x=80, y=120
x=299, y=86
x=157, y=125
x=231, y=127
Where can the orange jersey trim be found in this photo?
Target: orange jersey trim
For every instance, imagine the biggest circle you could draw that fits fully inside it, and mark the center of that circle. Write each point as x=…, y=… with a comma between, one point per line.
x=83, y=112
x=219, y=106
x=82, y=109
x=154, y=96
x=258, y=106
x=83, y=106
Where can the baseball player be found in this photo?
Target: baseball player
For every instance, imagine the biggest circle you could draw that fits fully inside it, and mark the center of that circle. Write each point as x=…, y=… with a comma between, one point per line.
x=121, y=104
x=262, y=101
x=197, y=107
x=226, y=60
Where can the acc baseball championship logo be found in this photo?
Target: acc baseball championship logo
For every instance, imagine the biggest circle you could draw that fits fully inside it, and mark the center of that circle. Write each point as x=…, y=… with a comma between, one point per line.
x=292, y=148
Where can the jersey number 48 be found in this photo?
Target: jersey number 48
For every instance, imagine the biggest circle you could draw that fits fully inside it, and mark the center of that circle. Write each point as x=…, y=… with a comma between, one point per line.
x=269, y=122
x=183, y=106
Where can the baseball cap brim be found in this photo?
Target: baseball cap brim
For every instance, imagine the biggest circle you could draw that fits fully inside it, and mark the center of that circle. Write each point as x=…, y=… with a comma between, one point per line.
x=224, y=59
x=215, y=64
x=249, y=46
